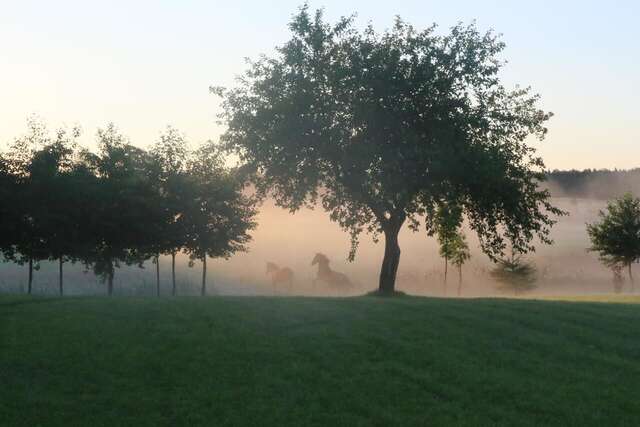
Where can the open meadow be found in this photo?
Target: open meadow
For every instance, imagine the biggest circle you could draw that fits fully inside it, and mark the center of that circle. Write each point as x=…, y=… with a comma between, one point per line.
x=318, y=361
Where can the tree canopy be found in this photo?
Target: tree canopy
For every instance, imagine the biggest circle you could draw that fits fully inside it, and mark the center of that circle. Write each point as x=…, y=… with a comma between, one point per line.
x=380, y=128
x=118, y=205
x=220, y=216
x=616, y=234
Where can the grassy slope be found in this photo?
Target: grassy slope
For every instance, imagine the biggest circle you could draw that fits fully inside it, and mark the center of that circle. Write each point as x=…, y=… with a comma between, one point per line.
x=359, y=361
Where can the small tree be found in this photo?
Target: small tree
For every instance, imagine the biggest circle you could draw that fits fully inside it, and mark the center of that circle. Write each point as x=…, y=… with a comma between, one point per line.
x=29, y=163
x=171, y=154
x=447, y=221
x=218, y=215
x=616, y=235
x=515, y=274
x=459, y=256
x=618, y=280
x=123, y=214
x=56, y=198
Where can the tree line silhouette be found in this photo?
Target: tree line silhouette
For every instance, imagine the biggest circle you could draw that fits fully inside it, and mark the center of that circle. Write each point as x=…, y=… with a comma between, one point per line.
x=119, y=205
x=602, y=184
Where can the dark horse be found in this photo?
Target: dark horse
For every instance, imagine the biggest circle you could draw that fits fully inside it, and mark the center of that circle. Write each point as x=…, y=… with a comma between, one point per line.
x=332, y=278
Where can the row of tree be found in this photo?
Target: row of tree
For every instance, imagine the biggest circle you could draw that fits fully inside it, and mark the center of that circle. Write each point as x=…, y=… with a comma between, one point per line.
x=119, y=205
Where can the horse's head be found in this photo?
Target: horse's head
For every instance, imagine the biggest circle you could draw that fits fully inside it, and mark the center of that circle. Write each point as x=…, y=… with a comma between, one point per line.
x=271, y=267
x=320, y=259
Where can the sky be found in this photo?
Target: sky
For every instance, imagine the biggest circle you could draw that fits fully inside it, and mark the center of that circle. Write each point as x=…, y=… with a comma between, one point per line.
x=147, y=64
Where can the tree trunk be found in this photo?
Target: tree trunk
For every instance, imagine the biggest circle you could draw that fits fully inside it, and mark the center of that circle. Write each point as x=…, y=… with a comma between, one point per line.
x=631, y=279
x=110, y=281
x=173, y=273
x=157, y=274
x=29, y=286
x=459, y=280
x=446, y=269
x=60, y=261
x=391, y=258
x=203, y=291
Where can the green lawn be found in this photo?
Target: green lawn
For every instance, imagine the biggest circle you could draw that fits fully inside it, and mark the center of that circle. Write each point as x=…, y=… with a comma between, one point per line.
x=303, y=361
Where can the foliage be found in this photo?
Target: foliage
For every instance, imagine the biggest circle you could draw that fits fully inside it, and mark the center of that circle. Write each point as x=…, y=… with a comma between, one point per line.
x=460, y=253
x=515, y=274
x=37, y=170
x=122, y=216
x=453, y=243
x=380, y=128
x=121, y=204
x=170, y=154
x=448, y=220
x=219, y=215
x=9, y=215
x=616, y=235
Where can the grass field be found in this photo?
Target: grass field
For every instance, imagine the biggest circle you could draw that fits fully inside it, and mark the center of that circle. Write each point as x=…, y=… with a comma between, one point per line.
x=302, y=361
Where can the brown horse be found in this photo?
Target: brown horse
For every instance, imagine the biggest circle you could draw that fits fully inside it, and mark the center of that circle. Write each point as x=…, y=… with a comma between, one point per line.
x=332, y=278
x=280, y=276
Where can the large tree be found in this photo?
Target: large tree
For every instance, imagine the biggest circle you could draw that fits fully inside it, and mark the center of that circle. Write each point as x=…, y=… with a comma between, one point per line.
x=380, y=127
x=616, y=234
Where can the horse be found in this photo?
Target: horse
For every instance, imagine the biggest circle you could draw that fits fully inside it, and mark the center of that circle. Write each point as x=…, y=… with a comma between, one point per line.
x=280, y=276
x=334, y=279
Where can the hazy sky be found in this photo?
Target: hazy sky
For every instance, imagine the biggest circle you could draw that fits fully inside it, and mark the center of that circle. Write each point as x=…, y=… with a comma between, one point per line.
x=146, y=64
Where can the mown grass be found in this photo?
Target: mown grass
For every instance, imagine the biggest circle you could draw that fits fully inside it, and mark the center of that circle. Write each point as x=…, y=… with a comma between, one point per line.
x=301, y=361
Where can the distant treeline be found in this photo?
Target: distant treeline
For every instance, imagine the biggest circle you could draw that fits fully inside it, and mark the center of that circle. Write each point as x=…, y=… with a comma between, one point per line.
x=594, y=183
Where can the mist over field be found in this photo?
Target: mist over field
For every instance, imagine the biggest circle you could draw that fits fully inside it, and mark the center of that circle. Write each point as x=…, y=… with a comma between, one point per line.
x=292, y=240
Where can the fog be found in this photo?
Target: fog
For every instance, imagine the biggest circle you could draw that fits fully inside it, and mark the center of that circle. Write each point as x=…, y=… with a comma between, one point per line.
x=292, y=240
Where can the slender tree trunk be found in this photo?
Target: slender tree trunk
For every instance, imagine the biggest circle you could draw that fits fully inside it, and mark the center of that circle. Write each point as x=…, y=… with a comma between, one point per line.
x=391, y=258
x=157, y=274
x=173, y=273
x=60, y=261
x=446, y=270
x=203, y=291
x=459, y=280
x=631, y=279
x=30, y=284
x=110, y=281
